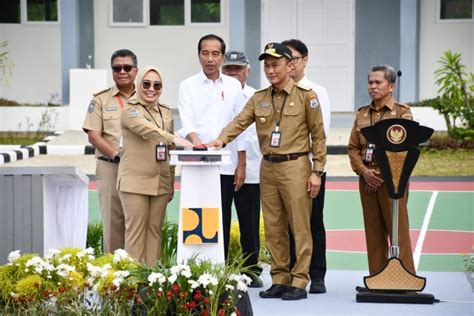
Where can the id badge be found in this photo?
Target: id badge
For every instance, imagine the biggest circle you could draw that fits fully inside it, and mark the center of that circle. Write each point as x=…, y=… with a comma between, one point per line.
x=369, y=153
x=161, y=152
x=275, y=140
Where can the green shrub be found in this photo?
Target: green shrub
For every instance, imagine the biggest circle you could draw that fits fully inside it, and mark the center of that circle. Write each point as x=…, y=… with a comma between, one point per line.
x=95, y=239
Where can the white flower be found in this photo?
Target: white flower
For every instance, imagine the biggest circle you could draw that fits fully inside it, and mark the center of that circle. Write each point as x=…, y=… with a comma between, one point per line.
x=120, y=255
x=233, y=314
x=63, y=269
x=154, y=277
x=93, y=270
x=13, y=256
x=13, y=294
x=172, y=278
x=53, y=252
x=229, y=287
x=121, y=274
x=181, y=269
x=205, y=279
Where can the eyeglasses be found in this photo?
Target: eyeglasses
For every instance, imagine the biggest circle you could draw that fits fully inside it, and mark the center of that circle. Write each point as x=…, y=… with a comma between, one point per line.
x=126, y=68
x=296, y=59
x=157, y=85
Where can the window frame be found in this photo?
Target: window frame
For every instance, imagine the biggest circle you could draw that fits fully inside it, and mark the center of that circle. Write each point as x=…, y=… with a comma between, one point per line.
x=452, y=21
x=187, y=16
x=145, y=12
x=24, y=15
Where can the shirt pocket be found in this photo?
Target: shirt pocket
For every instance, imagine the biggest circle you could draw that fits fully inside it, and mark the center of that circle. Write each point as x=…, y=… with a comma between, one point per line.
x=111, y=121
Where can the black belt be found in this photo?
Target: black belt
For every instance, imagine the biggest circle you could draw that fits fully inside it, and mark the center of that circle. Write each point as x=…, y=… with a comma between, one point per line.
x=281, y=158
x=115, y=160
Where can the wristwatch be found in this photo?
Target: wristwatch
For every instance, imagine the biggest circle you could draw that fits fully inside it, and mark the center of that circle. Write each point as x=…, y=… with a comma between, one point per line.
x=318, y=173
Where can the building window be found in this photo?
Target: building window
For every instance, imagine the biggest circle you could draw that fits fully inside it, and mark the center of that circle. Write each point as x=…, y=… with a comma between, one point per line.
x=166, y=12
x=41, y=11
x=184, y=12
x=205, y=11
x=10, y=12
x=456, y=9
x=128, y=12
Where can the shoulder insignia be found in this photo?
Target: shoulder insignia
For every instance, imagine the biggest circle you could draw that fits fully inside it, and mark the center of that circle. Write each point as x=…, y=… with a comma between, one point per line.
x=102, y=91
x=133, y=102
x=90, y=109
x=362, y=107
x=313, y=103
x=133, y=112
x=303, y=87
x=166, y=106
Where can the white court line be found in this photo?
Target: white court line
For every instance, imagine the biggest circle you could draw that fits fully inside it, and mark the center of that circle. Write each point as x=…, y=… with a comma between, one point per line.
x=424, y=228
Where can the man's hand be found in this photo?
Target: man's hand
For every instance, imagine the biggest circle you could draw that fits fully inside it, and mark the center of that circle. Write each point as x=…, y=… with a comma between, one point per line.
x=217, y=143
x=239, y=178
x=371, y=177
x=314, y=183
x=194, y=138
x=182, y=142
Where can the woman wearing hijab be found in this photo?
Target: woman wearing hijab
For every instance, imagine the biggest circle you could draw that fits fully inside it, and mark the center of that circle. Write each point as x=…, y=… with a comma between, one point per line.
x=145, y=177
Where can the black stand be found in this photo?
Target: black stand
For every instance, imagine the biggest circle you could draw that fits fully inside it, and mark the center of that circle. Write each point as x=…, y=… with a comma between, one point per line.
x=396, y=152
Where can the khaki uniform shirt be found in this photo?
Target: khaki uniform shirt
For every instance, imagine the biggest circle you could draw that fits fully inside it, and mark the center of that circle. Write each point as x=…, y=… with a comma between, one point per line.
x=301, y=116
x=142, y=129
x=366, y=116
x=103, y=115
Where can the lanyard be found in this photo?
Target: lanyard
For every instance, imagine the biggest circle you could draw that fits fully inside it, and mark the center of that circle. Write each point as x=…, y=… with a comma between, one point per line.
x=161, y=115
x=277, y=127
x=120, y=101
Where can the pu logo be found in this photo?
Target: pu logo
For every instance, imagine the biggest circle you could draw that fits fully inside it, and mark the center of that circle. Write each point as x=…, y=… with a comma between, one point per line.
x=200, y=225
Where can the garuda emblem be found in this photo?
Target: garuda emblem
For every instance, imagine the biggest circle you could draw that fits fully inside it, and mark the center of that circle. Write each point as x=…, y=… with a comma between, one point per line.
x=396, y=134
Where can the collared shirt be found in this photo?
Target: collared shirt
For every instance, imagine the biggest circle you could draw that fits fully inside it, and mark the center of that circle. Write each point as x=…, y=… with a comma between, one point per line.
x=323, y=98
x=103, y=115
x=206, y=106
x=300, y=117
x=366, y=116
x=253, y=154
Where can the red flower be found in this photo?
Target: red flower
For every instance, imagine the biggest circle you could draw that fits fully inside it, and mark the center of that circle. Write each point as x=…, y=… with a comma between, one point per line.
x=113, y=287
x=36, y=285
x=197, y=296
x=227, y=301
x=62, y=289
x=46, y=293
x=205, y=300
x=221, y=312
x=205, y=312
x=175, y=288
x=169, y=296
x=237, y=312
x=192, y=304
x=159, y=294
x=183, y=295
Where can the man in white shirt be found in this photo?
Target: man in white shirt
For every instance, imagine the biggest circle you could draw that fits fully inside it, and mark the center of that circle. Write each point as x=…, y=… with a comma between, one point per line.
x=207, y=102
x=247, y=199
x=317, y=268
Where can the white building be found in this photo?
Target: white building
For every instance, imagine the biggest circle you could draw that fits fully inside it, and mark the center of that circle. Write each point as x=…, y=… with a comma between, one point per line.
x=345, y=38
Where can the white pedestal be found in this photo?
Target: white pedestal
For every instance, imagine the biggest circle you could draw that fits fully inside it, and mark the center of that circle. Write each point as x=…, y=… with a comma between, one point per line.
x=42, y=208
x=200, y=211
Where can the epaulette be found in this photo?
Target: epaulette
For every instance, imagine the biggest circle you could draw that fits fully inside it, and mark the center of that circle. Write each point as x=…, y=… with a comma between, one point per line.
x=166, y=106
x=133, y=101
x=362, y=107
x=303, y=87
x=261, y=90
x=404, y=105
x=102, y=91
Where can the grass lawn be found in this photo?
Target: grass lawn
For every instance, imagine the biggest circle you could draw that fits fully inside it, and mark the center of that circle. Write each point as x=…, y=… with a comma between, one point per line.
x=446, y=162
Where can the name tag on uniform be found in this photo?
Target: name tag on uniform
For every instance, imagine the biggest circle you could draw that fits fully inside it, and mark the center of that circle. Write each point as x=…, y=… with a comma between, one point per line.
x=275, y=140
x=161, y=152
x=369, y=153
x=111, y=108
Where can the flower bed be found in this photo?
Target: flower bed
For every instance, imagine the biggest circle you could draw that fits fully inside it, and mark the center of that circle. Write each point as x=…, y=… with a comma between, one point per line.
x=74, y=281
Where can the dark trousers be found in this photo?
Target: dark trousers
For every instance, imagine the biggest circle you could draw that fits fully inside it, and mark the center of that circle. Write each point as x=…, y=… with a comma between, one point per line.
x=317, y=267
x=247, y=204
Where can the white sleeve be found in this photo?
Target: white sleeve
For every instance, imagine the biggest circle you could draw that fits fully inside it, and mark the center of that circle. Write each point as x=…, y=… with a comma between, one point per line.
x=185, y=109
x=326, y=109
x=242, y=141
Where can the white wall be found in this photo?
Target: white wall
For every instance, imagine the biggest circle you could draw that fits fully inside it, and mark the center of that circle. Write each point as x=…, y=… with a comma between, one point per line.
x=173, y=49
x=35, y=51
x=435, y=38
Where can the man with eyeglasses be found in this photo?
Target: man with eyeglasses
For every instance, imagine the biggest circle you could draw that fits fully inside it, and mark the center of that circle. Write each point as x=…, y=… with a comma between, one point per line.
x=317, y=268
x=102, y=125
x=208, y=101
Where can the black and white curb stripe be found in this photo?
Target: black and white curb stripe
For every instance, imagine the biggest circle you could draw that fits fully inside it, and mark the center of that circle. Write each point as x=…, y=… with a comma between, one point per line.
x=14, y=153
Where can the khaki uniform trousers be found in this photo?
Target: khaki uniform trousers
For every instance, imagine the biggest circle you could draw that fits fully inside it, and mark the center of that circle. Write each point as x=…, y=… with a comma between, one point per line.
x=377, y=209
x=144, y=216
x=112, y=214
x=285, y=201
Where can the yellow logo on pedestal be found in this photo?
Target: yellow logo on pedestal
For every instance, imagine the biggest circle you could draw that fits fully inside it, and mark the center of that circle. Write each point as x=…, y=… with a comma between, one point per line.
x=200, y=225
